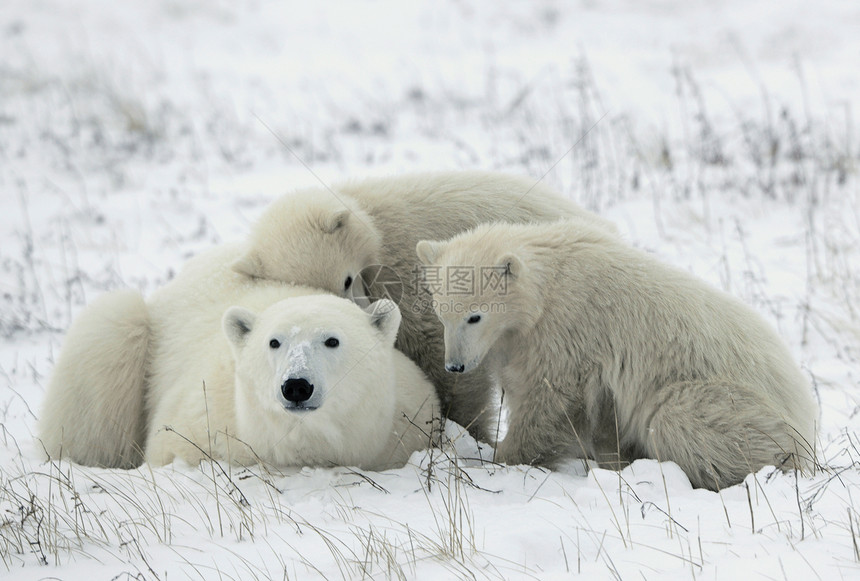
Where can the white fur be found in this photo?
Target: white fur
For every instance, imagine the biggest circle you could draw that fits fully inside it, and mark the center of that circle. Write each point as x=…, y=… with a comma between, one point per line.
x=361, y=407
x=93, y=410
x=325, y=238
x=604, y=352
x=204, y=390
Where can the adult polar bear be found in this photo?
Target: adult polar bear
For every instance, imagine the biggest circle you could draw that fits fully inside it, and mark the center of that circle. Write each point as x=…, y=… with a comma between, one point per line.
x=289, y=376
x=326, y=238
x=602, y=349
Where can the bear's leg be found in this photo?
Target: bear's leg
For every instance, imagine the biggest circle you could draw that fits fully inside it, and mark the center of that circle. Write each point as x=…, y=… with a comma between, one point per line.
x=545, y=425
x=470, y=403
x=93, y=410
x=718, y=432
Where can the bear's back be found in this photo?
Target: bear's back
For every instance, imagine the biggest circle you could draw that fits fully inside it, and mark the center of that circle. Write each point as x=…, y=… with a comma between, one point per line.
x=657, y=318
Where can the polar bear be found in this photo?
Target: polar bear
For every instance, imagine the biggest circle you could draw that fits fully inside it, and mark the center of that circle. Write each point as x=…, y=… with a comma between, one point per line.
x=316, y=382
x=332, y=238
x=605, y=353
x=227, y=363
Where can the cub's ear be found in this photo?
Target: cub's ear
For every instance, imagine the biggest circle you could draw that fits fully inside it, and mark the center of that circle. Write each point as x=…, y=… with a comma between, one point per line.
x=237, y=324
x=512, y=264
x=333, y=221
x=429, y=250
x=385, y=317
x=250, y=265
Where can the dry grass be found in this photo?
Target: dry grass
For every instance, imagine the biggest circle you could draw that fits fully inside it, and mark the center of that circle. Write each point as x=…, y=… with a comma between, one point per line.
x=97, y=137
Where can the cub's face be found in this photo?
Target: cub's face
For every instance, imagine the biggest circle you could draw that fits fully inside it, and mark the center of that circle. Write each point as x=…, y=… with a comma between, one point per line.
x=313, y=239
x=474, y=296
x=314, y=355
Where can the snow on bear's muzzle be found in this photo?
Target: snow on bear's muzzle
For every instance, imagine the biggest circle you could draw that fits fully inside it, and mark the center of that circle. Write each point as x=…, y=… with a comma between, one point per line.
x=297, y=391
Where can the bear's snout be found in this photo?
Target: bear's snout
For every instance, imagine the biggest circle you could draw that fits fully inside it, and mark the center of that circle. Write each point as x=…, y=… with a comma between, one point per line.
x=297, y=390
x=455, y=367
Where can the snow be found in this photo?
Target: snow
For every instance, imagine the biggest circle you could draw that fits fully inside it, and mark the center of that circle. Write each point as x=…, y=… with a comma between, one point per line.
x=720, y=136
x=297, y=358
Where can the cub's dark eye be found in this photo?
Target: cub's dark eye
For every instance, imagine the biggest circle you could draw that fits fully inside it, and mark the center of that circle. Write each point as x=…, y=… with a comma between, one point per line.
x=347, y=283
x=332, y=342
x=274, y=343
x=473, y=319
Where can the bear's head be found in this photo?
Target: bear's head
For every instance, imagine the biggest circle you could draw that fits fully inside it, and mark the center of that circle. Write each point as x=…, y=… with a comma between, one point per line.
x=479, y=290
x=315, y=238
x=315, y=381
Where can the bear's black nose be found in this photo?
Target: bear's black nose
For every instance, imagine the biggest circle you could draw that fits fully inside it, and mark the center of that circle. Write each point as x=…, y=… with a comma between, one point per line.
x=455, y=368
x=297, y=390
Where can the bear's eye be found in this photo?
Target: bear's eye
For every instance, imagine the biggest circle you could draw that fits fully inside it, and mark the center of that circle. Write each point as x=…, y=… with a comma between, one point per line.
x=473, y=319
x=274, y=343
x=332, y=342
x=347, y=283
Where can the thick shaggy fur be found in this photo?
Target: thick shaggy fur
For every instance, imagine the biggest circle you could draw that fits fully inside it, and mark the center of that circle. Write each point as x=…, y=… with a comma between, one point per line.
x=203, y=392
x=326, y=238
x=94, y=408
x=604, y=352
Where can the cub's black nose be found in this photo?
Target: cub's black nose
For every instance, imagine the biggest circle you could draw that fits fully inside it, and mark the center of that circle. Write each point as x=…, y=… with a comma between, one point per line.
x=454, y=368
x=297, y=390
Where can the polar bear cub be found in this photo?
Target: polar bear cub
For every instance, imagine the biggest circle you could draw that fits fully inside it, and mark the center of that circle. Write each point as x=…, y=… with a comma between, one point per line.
x=603, y=351
x=358, y=240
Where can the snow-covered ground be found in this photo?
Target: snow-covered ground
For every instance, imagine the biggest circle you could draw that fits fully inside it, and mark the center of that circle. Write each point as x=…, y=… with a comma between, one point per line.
x=720, y=136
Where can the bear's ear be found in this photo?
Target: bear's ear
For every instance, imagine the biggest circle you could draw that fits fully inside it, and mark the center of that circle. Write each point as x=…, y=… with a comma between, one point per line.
x=237, y=323
x=429, y=250
x=333, y=221
x=250, y=265
x=512, y=264
x=385, y=317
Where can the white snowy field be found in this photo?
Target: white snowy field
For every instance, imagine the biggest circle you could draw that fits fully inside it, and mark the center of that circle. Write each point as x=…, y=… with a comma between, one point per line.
x=720, y=136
